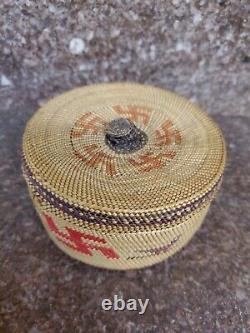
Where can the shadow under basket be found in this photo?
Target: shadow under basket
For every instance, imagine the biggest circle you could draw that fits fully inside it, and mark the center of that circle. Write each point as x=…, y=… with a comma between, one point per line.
x=122, y=174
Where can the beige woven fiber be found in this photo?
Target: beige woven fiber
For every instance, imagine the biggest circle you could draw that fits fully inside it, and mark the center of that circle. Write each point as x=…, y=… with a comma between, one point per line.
x=122, y=174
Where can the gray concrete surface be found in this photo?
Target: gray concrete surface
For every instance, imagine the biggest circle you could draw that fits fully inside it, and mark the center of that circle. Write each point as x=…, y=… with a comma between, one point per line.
x=197, y=48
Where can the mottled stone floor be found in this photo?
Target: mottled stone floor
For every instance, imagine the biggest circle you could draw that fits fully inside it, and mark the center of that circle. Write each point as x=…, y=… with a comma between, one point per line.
x=197, y=48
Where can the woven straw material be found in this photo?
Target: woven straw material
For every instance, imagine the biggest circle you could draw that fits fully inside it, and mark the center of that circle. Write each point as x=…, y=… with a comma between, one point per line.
x=116, y=209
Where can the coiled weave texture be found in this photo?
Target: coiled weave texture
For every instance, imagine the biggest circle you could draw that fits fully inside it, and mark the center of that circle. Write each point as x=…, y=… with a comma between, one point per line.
x=114, y=209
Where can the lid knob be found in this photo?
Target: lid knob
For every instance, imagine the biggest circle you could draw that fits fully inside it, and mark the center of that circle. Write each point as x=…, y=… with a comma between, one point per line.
x=122, y=136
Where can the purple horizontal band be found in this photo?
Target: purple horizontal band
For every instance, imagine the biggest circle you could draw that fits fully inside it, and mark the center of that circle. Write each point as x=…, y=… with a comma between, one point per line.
x=102, y=218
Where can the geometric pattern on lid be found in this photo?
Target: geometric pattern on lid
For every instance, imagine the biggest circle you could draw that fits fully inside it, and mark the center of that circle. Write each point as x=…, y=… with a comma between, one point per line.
x=64, y=147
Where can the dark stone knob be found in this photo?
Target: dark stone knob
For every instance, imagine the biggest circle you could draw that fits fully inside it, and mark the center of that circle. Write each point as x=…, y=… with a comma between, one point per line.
x=122, y=136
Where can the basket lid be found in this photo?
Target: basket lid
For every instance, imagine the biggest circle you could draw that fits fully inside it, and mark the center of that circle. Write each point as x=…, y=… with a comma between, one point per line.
x=124, y=147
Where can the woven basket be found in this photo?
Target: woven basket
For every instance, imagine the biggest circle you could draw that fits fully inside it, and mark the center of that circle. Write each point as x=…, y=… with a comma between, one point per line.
x=122, y=175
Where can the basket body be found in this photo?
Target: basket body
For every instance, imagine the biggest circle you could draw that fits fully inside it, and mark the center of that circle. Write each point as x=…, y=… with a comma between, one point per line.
x=94, y=220
x=113, y=248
